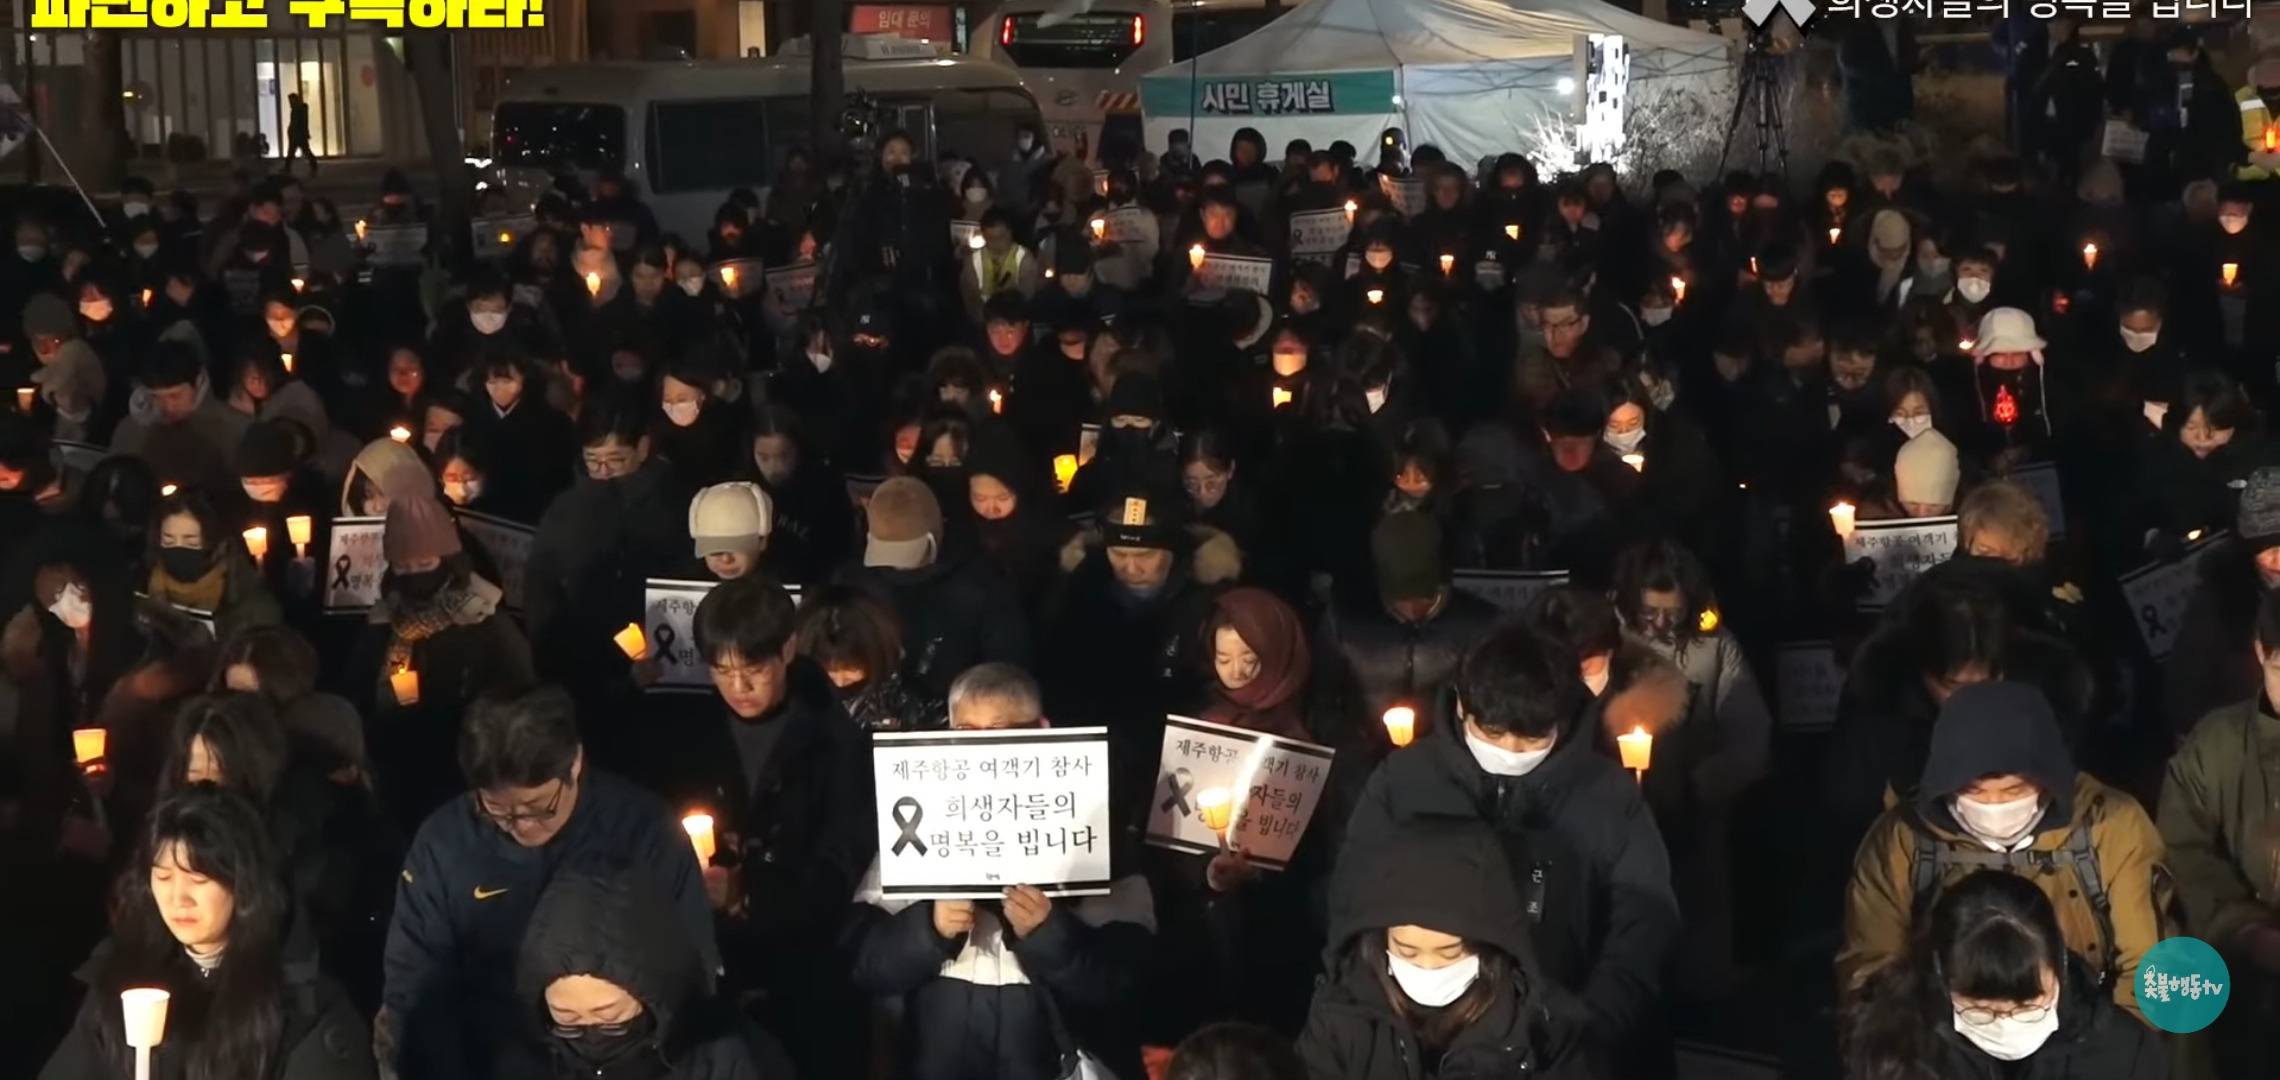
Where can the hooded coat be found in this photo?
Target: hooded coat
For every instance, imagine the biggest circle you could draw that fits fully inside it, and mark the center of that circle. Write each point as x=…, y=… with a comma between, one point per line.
x=2220, y=819
x=2006, y=728
x=1583, y=851
x=1450, y=876
x=600, y=922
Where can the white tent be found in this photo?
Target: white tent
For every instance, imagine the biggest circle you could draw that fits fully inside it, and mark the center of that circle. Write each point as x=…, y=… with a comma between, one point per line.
x=1474, y=77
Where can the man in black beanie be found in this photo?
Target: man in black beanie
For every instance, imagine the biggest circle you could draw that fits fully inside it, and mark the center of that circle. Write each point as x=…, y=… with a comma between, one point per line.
x=1402, y=645
x=1135, y=447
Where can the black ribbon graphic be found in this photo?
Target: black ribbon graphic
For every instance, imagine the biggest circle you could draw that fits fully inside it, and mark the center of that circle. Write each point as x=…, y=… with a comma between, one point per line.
x=341, y=567
x=665, y=638
x=909, y=826
x=2152, y=617
x=1178, y=785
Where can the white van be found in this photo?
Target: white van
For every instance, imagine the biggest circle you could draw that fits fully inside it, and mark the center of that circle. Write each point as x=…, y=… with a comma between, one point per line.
x=686, y=133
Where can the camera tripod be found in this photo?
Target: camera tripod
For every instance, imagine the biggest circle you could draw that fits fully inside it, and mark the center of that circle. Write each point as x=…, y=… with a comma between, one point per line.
x=1759, y=97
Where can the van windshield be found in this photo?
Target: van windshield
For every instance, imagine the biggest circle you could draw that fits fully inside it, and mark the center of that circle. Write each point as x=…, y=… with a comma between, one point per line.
x=1094, y=40
x=549, y=133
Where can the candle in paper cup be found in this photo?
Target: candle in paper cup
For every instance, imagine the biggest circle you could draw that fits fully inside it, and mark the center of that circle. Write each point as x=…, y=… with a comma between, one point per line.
x=1707, y=621
x=2271, y=138
x=1841, y=516
x=1352, y=208
x=1678, y=289
x=700, y=830
x=146, y=298
x=2089, y=256
x=167, y=490
x=400, y=433
x=506, y=237
x=87, y=744
x=728, y=279
x=1965, y=344
x=1100, y=228
x=1064, y=470
x=1195, y=257
x=1401, y=724
x=1512, y=232
x=1836, y=234
x=286, y=359
x=1448, y=265
x=1280, y=397
x=406, y=684
x=1217, y=808
x=299, y=284
x=634, y=645
x=1637, y=462
x=975, y=241
x=593, y=283
x=997, y=401
x=24, y=398
x=1376, y=296
x=360, y=227
x=1753, y=266
x=2230, y=273
x=144, y=1010
x=297, y=529
x=1637, y=747
x=257, y=542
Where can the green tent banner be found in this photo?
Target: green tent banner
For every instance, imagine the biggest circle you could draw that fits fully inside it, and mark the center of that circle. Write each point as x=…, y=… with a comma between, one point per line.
x=1368, y=93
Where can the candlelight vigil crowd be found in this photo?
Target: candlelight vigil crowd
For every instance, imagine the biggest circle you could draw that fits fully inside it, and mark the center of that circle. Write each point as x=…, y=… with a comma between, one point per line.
x=1237, y=613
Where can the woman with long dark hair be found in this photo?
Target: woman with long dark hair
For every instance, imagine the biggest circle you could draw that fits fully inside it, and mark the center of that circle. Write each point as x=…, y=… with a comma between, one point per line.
x=1989, y=991
x=202, y=914
x=197, y=563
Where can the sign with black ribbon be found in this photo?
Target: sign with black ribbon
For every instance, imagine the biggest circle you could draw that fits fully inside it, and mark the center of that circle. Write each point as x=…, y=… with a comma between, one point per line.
x=2158, y=592
x=1274, y=784
x=669, y=618
x=1901, y=550
x=970, y=814
x=352, y=579
x=508, y=544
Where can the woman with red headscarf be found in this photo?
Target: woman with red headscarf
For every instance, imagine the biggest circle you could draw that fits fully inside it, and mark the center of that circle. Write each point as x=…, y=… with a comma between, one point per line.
x=1260, y=664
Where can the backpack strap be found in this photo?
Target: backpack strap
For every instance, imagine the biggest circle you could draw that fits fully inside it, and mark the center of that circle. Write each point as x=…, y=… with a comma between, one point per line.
x=2084, y=856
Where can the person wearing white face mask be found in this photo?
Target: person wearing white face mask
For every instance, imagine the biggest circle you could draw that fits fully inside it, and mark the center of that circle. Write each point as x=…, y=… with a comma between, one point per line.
x=2000, y=792
x=1432, y=972
x=1520, y=760
x=1974, y=280
x=1993, y=991
x=70, y=644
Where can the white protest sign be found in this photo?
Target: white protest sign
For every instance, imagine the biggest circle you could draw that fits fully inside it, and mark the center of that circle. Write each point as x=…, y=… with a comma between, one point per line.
x=962, y=234
x=2157, y=594
x=1509, y=590
x=508, y=545
x=970, y=814
x=1276, y=783
x=395, y=245
x=1489, y=275
x=352, y=580
x=497, y=235
x=1133, y=228
x=1408, y=196
x=1317, y=235
x=1807, y=680
x=792, y=288
x=669, y=620
x=1902, y=549
x=1236, y=272
x=2041, y=478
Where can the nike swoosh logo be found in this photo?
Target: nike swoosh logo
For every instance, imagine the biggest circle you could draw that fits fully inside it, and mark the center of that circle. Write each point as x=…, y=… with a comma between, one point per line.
x=482, y=893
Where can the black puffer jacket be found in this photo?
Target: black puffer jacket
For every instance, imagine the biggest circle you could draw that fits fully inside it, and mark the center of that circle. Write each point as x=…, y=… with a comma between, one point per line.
x=955, y=612
x=594, y=921
x=1451, y=876
x=1366, y=661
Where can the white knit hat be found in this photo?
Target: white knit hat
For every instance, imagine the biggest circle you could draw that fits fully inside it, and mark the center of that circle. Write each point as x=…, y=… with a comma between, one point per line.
x=1926, y=470
x=2007, y=329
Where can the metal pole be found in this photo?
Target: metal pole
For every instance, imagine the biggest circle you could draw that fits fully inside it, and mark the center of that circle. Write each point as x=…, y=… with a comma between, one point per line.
x=42, y=133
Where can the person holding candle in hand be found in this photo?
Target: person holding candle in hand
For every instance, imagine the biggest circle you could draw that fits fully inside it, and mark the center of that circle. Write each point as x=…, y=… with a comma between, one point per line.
x=1583, y=848
x=194, y=563
x=1014, y=988
x=202, y=914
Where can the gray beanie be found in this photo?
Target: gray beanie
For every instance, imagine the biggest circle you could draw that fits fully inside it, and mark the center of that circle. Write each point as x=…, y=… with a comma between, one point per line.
x=2259, y=525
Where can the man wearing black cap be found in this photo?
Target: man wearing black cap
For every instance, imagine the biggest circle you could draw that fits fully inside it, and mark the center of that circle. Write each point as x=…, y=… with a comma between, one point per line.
x=1401, y=646
x=1135, y=447
x=1073, y=291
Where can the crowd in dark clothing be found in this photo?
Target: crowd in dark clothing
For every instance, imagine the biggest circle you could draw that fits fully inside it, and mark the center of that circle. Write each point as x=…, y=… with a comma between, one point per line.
x=1541, y=504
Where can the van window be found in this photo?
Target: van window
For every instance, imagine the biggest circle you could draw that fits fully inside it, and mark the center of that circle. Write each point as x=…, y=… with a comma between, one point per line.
x=707, y=145
x=1094, y=40
x=549, y=133
x=979, y=124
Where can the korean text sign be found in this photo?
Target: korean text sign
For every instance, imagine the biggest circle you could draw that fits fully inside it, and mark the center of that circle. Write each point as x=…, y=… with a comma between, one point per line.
x=1509, y=590
x=669, y=618
x=970, y=814
x=508, y=544
x=352, y=580
x=1276, y=783
x=1237, y=272
x=1902, y=550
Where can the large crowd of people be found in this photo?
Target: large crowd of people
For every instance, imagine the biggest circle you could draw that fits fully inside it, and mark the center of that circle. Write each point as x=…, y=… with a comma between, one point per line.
x=322, y=714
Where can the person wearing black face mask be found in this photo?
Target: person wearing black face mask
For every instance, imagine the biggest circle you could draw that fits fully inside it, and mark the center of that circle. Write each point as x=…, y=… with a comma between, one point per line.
x=195, y=563
x=1134, y=445
x=617, y=992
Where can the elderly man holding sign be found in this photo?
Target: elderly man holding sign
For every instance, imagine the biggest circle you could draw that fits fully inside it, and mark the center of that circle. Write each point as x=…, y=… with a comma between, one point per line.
x=988, y=834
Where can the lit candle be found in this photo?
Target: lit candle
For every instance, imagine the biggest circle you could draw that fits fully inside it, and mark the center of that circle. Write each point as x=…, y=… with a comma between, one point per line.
x=1195, y=257
x=700, y=830
x=1841, y=516
x=360, y=228
x=1836, y=233
x=1965, y=344
x=1352, y=208
x=1280, y=397
x=1678, y=289
x=975, y=241
x=728, y=279
x=2089, y=256
x=1100, y=228
x=1401, y=724
x=1217, y=808
x=1708, y=621
x=24, y=398
x=2231, y=273
x=1048, y=273
x=166, y=491
x=1753, y=266
x=1637, y=462
x=400, y=433
x=286, y=358
x=997, y=401
x=298, y=284
x=297, y=528
x=1448, y=265
x=1376, y=296
x=406, y=684
x=87, y=744
x=1064, y=470
x=506, y=237
x=257, y=542
x=631, y=642
x=2271, y=138
x=593, y=283
x=146, y=298
x=1637, y=748
x=2189, y=538
x=1512, y=232
x=143, y=1014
